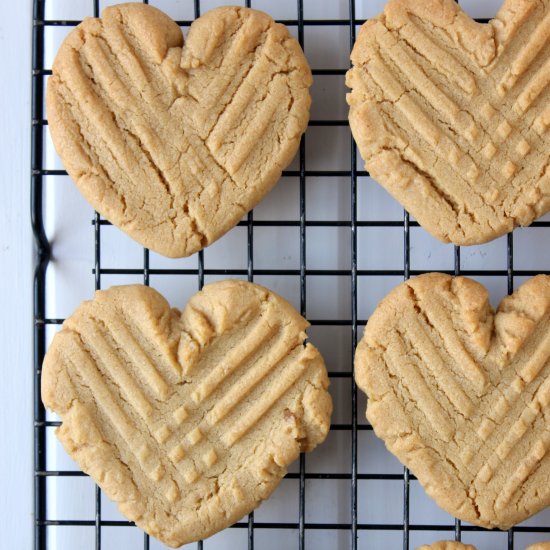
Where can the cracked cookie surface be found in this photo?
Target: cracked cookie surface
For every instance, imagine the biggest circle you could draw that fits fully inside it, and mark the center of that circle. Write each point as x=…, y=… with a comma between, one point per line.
x=461, y=394
x=452, y=117
x=186, y=419
x=174, y=143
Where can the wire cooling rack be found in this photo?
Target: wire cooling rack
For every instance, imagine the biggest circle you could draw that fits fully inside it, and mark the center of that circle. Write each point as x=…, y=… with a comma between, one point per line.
x=334, y=256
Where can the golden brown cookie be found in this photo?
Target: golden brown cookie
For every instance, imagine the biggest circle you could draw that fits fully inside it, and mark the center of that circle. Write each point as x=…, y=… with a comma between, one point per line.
x=452, y=116
x=173, y=143
x=186, y=419
x=446, y=545
x=539, y=546
x=461, y=394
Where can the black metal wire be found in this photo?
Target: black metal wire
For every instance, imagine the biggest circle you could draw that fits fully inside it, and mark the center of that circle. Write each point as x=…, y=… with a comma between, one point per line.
x=185, y=23
x=354, y=324
x=303, y=298
x=97, y=275
x=510, y=266
x=42, y=256
x=200, y=255
x=250, y=277
x=42, y=251
x=320, y=526
x=406, y=473
x=458, y=523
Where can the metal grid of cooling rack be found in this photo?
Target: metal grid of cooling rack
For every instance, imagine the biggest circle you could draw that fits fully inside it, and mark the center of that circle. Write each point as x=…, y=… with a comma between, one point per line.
x=357, y=532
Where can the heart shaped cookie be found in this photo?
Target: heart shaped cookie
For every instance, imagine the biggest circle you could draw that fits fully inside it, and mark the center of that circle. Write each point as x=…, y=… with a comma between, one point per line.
x=452, y=116
x=187, y=420
x=461, y=395
x=174, y=143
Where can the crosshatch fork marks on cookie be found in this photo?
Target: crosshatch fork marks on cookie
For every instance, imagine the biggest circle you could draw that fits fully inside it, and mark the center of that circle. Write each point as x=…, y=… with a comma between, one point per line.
x=186, y=419
x=487, y=463
x=174, y=143
x=452, y=116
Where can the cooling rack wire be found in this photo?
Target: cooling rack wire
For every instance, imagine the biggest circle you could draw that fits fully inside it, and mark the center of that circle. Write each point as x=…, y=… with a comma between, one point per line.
x=334, y=256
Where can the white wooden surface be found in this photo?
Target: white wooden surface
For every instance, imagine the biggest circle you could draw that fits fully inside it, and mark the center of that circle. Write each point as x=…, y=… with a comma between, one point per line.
x=16, y=527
